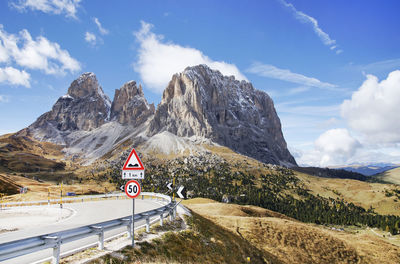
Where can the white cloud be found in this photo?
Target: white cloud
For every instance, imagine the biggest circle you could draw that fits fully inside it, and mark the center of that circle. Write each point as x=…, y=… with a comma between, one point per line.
x=102, y=30
x=90, y=38
x=38, y=54
x=339, y=51
x=304, y=18
x=374, y=108
x=159, y=60
x=67, y=7
x=270, y=71
x=333, y=147
x=14, y=76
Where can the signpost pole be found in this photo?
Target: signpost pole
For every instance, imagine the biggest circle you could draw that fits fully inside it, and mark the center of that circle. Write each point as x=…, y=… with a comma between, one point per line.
x=133, y=222
x=133, y=169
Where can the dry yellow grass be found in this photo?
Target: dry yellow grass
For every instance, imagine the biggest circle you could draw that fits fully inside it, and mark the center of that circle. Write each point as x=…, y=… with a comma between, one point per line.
x=392, y=176
x=295, y=242
x=39, y=190
x=364, y=194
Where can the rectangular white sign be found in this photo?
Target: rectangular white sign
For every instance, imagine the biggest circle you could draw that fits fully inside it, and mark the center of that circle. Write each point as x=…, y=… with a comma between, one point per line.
x=133, y=174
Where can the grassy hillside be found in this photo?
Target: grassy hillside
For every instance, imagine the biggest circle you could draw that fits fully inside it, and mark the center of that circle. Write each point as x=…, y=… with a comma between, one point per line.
x=203, y=242
x=231, y=233
x=392, y=176
x=23, y=154
x=291, y=241
x=364, y=194
x=223, y=175
x=8, y=186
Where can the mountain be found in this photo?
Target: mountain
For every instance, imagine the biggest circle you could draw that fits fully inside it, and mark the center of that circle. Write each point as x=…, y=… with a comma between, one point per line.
x=332, y=173
x=130, y=106
x=199, y=106
x=368, y=169
x=202, y=102
x=84, y=108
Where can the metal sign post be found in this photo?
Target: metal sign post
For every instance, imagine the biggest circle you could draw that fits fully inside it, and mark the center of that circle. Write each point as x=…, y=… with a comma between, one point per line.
x=133, y=169
x=132, y=190
x=133, y=222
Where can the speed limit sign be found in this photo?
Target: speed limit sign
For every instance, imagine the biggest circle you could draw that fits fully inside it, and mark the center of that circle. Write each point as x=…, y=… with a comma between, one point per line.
x=132, y=189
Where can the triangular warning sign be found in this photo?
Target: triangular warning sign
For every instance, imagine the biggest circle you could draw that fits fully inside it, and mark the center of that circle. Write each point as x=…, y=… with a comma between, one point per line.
x=133, y=162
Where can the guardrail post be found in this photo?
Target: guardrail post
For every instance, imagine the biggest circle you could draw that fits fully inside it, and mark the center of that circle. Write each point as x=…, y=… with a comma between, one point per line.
x=128, y=226
x=148, y=224
x=174, y=212
x=100, y=234
x=142, y=197
x=56, y=254
x=161, y=219
x=56, y=248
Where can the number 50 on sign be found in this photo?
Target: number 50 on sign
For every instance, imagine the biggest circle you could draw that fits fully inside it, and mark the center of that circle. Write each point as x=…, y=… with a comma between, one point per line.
x=132, y=189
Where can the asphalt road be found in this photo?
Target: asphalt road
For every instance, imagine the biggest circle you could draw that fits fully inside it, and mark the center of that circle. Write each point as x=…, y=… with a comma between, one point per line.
x=84, y=214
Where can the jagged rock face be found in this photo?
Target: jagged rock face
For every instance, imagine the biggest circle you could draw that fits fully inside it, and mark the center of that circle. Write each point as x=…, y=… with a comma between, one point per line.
x=202, y=102
x=84, y=107
x=130, y=106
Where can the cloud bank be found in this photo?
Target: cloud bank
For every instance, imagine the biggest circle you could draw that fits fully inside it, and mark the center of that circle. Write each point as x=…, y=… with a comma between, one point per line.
x=333, y=147
x=374, y=108
x=37, y=54
x=373, y=114
x=159, y=60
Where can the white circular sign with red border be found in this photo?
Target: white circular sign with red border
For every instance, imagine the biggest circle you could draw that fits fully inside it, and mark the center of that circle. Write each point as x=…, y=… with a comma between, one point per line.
x=132, y=189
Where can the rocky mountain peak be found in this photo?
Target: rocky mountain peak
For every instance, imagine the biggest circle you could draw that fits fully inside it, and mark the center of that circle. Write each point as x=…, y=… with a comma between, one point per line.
x=130, y=106
x=85, y=85
x=84, y=107
x=203, y=102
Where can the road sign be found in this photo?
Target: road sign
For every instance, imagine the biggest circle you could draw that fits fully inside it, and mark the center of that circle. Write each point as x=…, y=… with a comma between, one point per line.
x=179, y=192
x=132, y=189
x=169, y=184
x=133, y=167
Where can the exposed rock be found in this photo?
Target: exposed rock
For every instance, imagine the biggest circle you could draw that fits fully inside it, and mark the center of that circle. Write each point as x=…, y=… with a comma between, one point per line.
x=203, y=102
x=199, y=104
x=130, y=106
x=84, y=107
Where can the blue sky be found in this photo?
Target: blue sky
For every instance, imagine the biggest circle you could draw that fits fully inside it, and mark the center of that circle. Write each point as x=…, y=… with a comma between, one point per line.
x=326, y=64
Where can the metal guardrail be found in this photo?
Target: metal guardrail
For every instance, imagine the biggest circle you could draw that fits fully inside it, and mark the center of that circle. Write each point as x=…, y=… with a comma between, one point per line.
x=26, y=246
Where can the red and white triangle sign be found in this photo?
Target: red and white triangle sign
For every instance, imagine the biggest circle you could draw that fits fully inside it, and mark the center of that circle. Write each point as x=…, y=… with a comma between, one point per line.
x=133, y=167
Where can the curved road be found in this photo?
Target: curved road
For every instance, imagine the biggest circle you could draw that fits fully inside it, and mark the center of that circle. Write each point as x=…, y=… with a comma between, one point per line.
x=85, y=213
